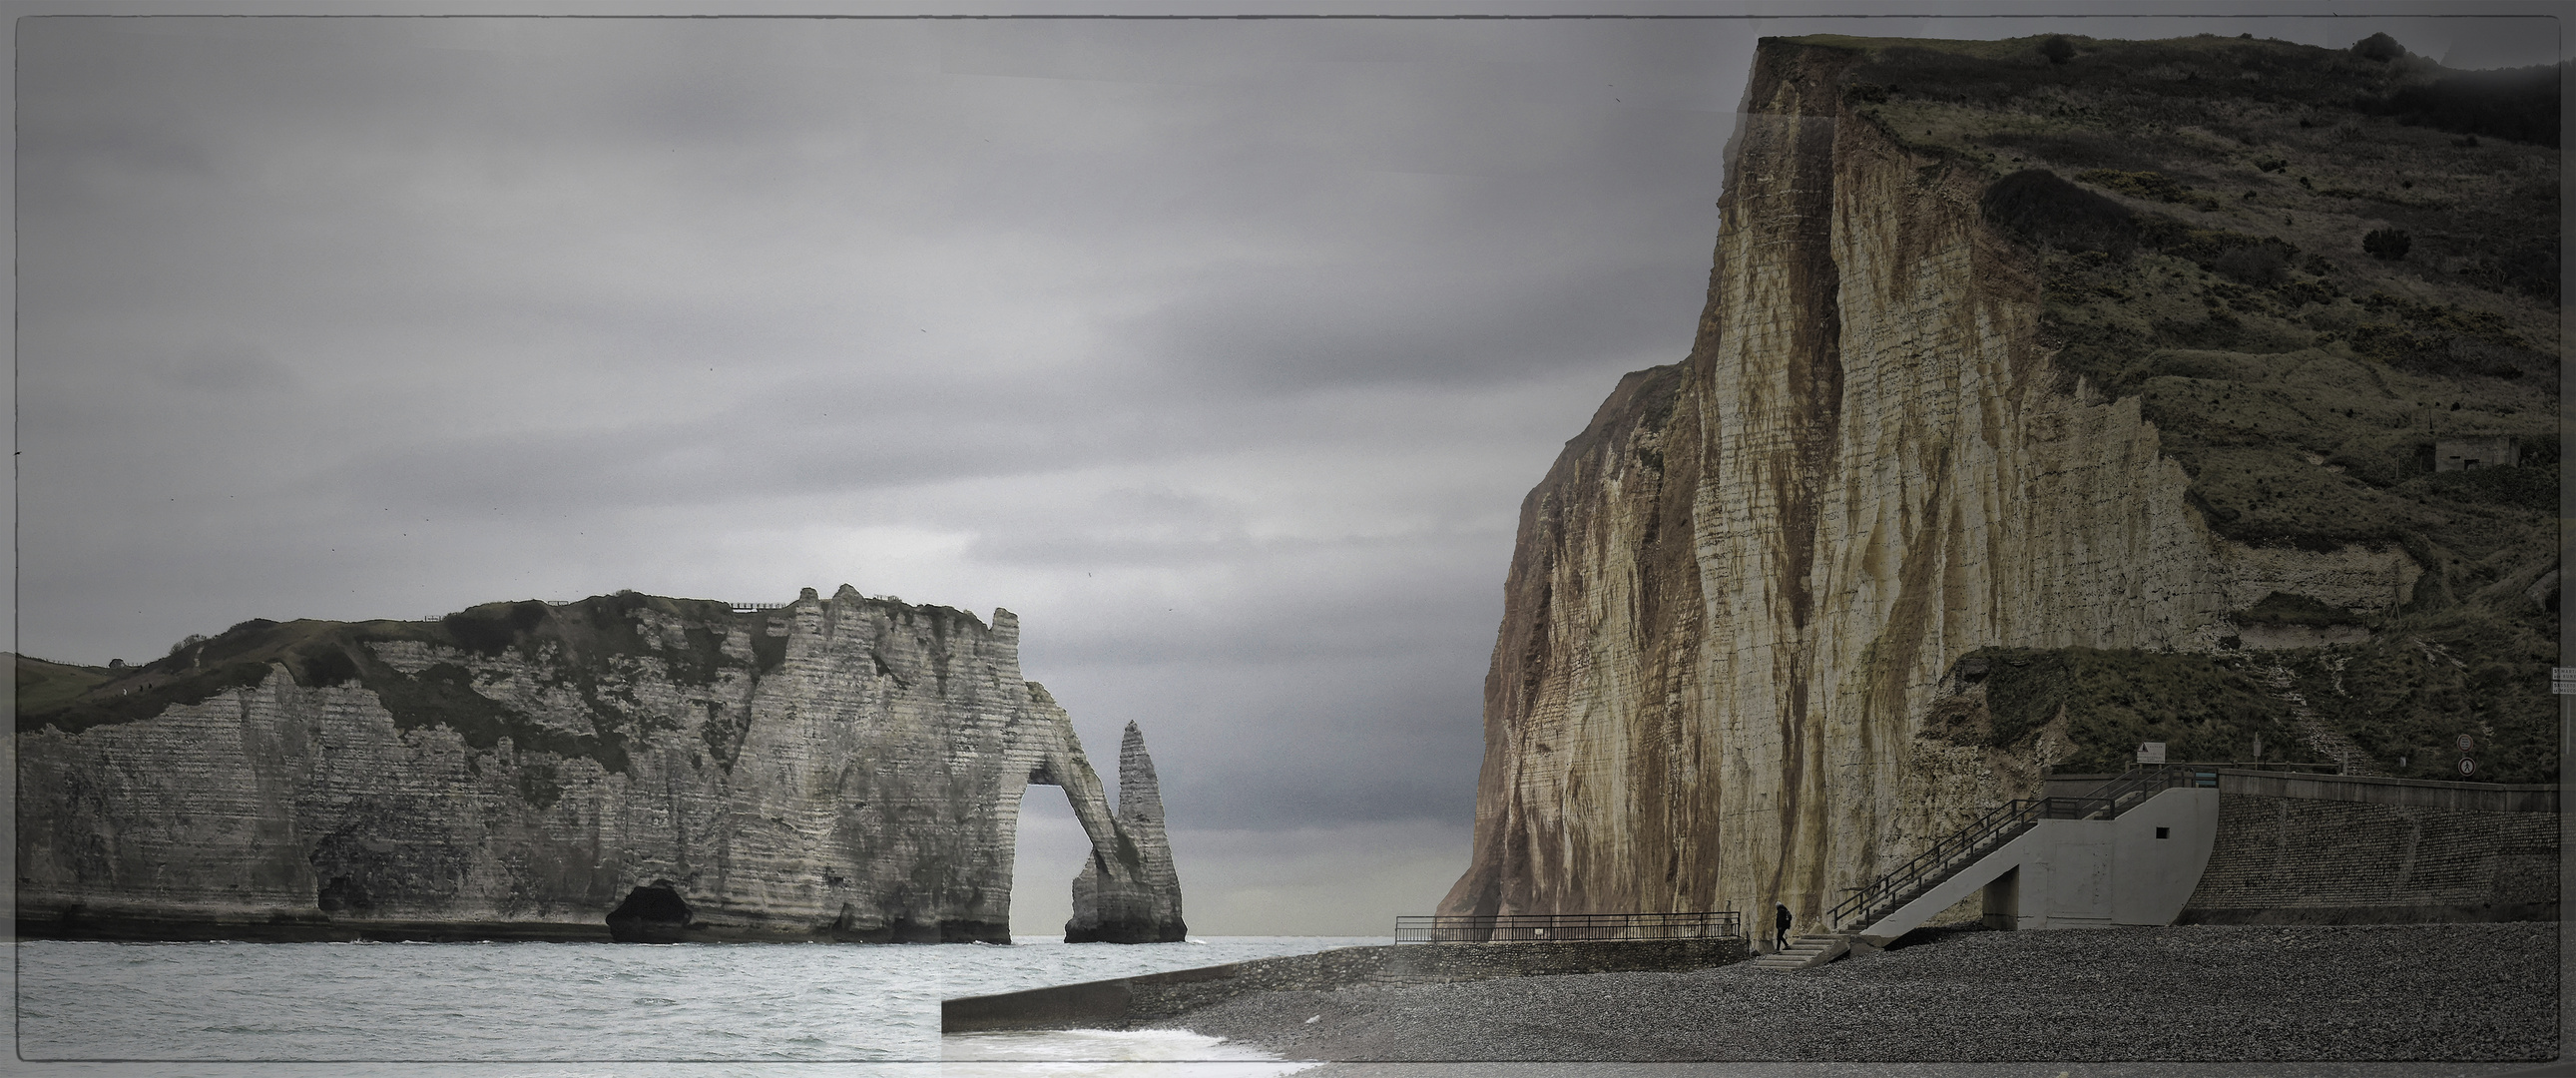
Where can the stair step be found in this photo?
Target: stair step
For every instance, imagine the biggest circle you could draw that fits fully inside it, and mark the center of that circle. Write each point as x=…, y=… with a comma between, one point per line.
x=1802, y=953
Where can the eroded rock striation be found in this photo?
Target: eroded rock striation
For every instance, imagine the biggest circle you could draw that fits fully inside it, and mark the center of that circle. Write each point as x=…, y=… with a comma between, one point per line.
x=847, y=768
x=1741, y=599
x=1137, y=899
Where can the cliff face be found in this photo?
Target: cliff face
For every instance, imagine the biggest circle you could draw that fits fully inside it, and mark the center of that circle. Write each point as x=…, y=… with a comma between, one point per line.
x=845, y=769
x=1739, y=594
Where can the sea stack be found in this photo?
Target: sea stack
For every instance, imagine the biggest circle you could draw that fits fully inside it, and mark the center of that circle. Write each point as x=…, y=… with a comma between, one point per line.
x=1130, y=892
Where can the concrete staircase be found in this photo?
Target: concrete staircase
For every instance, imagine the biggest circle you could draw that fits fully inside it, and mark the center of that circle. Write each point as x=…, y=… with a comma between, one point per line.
x=2024, y=831
x=1804, y=951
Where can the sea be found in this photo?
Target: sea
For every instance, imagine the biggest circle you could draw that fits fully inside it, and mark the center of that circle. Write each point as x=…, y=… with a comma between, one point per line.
x=591, y=1010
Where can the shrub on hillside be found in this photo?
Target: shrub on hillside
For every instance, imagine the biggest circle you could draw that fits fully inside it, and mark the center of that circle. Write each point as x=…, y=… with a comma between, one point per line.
x=2284, y=608
x=328, y=666
x=2380, y=47
x=493, y=627
x=2151, y=184
x=2535, y=489
x=2390, y=244
x=2261, y=266
x=2203, y=707
x=2042, y=208
x=2520, y=104
x=2529, y=268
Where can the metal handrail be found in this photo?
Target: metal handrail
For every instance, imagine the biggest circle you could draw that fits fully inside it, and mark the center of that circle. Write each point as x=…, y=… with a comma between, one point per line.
x=1946, y=855
x=1950, y=853
x=1546, y=927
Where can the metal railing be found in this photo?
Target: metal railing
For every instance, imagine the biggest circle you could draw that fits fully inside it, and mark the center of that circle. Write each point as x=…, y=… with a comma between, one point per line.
x=1952, y=852
x=1545, y=927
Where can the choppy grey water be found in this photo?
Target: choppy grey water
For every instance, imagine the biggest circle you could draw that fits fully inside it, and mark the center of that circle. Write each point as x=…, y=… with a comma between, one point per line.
x=585, y=1009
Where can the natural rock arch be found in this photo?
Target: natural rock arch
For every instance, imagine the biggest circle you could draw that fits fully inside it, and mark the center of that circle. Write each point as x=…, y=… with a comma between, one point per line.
x=1127, y=891
x=829, y=769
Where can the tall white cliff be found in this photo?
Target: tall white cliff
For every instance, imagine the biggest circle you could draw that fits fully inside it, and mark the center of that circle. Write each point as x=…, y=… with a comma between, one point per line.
x=1737, y=591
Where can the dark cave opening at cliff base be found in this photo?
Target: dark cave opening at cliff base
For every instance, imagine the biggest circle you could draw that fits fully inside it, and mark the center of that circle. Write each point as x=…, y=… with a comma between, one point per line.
x=1050, y=851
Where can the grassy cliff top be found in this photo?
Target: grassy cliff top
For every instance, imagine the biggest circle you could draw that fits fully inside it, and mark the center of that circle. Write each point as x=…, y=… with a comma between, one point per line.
x=2318, y=271
x=591, y=647
x=2306, y=263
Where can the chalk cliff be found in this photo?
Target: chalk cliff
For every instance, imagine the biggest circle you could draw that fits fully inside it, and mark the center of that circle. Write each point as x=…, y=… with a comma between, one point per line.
x=1137, y=899
x=847, y=768
x=1739, y=600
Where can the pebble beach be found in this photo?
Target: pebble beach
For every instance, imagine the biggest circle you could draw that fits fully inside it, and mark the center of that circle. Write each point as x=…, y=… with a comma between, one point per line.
x=2214, y=994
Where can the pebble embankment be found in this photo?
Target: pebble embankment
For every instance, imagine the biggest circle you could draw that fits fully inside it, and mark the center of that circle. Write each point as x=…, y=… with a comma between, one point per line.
x=2195, y=992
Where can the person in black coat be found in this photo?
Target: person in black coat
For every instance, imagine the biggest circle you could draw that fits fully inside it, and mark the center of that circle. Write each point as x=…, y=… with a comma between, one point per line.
x=1780, y=922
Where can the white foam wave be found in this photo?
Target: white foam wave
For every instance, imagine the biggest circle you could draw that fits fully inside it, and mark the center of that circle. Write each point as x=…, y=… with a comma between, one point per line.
x=1158, y=1053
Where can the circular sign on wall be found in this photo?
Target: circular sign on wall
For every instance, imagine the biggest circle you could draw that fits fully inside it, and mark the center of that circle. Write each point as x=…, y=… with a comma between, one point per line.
x=2468, y=767
x=2466, y=743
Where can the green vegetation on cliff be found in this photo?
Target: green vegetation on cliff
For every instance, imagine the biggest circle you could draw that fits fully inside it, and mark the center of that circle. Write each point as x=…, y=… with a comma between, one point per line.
x=2311, y=268
x=2198, y=208
x=2403, y=700
x=2203, y=707
x=595, y=650
x=328, y=653
x=46, y=686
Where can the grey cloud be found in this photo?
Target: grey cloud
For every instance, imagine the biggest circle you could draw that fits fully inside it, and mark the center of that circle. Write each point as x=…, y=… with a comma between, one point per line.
x=228, y=366
x=1270, y=743
x=1126, y=526
x=1268, y=325
x=1325, y=325
x=1314, y=600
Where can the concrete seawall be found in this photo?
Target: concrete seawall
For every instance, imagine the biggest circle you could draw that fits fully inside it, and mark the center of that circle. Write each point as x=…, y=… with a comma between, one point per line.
x=1126, y=1002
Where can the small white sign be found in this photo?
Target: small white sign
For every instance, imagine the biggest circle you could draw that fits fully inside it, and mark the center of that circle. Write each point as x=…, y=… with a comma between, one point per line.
x=2151, y=752
x=2562, y=680
x=2468, y=767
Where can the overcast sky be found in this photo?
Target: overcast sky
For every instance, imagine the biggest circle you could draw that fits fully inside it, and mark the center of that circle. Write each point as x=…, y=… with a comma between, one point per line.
x=1222, y=352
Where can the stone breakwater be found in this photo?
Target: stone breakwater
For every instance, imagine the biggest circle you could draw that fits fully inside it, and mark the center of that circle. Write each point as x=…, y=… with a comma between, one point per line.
x=1132, y=1002
x=2200, y=992
x=847, y=768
